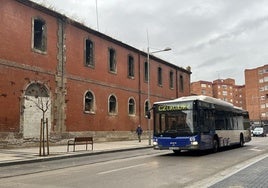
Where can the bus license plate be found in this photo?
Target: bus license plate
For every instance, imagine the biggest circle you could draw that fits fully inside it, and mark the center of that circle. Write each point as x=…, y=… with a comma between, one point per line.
x=174, y=148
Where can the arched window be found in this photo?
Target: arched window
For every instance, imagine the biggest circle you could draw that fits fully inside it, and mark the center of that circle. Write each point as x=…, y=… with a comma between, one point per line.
x=89, y=102
x=131, y=106
x=37, y=90
x=112, y=105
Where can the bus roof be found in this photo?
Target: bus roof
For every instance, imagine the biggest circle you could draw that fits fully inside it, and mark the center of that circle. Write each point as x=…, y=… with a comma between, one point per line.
x=200, y=98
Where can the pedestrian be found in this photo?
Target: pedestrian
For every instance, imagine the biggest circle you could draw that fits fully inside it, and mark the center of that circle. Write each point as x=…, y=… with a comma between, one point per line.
x=139, y=132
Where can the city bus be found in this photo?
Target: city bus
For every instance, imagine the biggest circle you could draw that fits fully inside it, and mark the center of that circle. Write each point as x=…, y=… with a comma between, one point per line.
x=199, y=123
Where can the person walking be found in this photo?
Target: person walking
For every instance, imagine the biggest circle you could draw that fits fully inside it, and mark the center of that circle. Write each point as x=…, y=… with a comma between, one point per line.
x=139, y=132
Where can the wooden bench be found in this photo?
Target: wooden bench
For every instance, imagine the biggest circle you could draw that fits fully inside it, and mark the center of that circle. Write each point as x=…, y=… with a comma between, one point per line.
x=80, y=141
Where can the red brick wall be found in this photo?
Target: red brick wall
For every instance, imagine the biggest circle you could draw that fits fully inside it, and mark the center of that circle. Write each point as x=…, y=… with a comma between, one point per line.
x=20, y=66
x=197, y=89
x=16, y=34
x=99, y=82
x=253, y=93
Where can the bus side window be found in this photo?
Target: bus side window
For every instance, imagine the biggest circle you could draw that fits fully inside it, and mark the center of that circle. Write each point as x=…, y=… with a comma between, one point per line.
x=219, y=122
x=229, y=122
x=201, y=119
x=206, y=120
x=235, y=123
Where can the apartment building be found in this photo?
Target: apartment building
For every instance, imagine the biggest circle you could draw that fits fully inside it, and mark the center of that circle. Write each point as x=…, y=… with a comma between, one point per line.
x=202, y=88
x=224, y=89
x=83, y=81
x=256, y=81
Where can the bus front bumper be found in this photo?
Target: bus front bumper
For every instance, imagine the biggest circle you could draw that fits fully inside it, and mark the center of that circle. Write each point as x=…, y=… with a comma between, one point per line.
x=192, y=146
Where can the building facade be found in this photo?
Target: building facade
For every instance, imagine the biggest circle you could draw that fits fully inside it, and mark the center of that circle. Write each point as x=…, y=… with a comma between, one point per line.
x=224, y=89
x=227, y=90
x=81, y=81
x=202, y=88
x=257, y=94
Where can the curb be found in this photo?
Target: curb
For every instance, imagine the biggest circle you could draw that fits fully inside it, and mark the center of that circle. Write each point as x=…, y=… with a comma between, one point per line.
x=64, y=156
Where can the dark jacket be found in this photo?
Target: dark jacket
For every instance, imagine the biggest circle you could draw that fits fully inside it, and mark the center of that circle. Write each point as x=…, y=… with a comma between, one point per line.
x=139, y=130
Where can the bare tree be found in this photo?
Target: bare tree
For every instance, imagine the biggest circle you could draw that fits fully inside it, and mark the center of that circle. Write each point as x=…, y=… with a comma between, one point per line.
x=43, y=104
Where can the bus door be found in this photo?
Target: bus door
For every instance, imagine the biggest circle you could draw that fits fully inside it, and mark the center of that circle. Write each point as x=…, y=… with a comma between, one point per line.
x=207, y=128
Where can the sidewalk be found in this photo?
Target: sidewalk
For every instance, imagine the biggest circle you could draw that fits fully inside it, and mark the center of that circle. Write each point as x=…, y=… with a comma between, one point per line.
x=254, y=175
x=28, y=155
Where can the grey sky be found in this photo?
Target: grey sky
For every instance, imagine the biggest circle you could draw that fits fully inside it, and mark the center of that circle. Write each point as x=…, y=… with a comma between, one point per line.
x=217, y=38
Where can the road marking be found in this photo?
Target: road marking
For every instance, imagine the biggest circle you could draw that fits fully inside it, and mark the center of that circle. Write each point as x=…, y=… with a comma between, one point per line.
x=255, y=149
x=119, y=169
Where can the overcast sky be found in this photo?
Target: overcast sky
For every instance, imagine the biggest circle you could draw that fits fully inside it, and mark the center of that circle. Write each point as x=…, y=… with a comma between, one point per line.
x=216, y=38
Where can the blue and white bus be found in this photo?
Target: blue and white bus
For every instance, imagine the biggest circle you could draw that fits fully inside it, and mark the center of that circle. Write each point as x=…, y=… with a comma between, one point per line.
x=199, y=123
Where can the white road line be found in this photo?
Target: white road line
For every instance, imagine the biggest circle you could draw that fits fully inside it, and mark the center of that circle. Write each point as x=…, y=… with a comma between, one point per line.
x=255, y=149
x=119, y=169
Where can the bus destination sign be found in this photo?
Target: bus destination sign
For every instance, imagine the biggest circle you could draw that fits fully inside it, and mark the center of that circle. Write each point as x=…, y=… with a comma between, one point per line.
x=173, y=107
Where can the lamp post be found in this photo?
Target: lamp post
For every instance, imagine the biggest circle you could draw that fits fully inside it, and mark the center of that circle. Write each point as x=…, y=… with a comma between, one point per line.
x=148, y=74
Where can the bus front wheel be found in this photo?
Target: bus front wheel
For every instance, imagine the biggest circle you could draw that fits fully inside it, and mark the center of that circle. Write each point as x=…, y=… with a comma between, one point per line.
x=176, y=151
x=215, y=145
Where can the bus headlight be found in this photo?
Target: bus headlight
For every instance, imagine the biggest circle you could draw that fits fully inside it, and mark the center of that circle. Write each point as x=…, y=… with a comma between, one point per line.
x=155, y=143
x=195, y=143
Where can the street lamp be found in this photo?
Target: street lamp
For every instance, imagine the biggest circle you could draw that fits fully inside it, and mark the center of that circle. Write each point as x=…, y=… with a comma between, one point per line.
x=148, y=74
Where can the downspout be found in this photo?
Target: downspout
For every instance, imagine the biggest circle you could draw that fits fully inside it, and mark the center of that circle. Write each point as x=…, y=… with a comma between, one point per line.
x=139, y=86
x=177, y=87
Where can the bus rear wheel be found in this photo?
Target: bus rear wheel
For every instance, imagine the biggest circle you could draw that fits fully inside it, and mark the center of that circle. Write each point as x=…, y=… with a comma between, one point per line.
x=215, y=145
x=242, y=141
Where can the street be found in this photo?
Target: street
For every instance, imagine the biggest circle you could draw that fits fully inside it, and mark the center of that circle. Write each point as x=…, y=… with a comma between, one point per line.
x=140, y=168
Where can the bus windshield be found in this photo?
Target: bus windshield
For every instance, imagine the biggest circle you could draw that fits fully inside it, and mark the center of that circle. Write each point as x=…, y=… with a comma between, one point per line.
x=174, y=120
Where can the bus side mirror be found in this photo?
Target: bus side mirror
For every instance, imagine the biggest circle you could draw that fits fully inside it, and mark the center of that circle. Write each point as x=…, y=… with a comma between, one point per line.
x=148, y=115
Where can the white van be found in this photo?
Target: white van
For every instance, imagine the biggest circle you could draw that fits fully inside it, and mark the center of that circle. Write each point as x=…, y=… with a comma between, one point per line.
x=259, y=131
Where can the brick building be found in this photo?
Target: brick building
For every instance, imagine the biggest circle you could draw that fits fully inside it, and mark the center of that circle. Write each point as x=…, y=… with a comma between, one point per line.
x=202, y=88
x=82, y=81
x=256, y=81
x=224, y=89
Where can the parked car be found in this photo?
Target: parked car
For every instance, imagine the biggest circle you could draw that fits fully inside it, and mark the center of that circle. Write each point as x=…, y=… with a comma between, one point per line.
x=259, y=131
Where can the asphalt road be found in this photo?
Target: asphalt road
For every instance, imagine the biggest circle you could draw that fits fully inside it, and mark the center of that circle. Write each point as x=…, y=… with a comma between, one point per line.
x=142, y=168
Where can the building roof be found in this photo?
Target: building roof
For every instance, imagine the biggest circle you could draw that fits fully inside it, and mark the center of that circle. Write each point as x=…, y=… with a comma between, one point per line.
x=200, y=98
